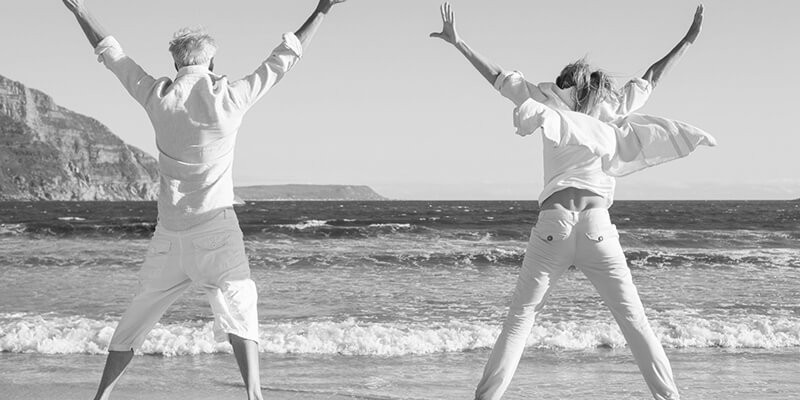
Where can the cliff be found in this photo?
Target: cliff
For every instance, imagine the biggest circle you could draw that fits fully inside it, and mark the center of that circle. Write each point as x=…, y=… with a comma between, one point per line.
x=307, y=192
x=48, y=152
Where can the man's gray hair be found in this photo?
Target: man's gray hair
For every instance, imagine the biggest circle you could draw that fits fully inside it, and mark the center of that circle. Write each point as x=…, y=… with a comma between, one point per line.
x=192, y=46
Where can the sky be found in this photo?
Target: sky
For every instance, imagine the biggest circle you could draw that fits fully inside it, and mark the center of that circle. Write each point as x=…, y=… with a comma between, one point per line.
x=376, y=102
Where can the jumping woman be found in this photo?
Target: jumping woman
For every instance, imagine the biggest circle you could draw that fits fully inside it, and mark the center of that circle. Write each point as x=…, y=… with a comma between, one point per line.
x=590, y=137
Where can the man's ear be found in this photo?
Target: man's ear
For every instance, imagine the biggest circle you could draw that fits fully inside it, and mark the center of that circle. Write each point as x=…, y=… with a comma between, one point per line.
x=211, y=65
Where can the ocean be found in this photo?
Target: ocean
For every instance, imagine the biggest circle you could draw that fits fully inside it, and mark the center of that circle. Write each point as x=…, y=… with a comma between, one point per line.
x=403, y=300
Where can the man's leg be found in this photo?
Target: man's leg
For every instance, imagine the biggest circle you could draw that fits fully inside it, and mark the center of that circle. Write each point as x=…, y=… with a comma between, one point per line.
x=246, y=353
x=137, y=321
x=160, y=284
x=116, y=363
x=236, y=319
x=223, y=268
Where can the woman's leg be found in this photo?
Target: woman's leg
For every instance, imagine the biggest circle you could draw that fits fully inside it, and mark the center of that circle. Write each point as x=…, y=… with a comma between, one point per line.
x=600, y=257
x=547, y=257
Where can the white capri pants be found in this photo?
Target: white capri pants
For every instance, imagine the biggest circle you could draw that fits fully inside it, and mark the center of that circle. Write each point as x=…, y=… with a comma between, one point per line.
x=588, y=240
x=212, y=256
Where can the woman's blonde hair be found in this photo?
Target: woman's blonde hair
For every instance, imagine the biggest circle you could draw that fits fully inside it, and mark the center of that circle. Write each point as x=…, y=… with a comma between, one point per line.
x=591, y=87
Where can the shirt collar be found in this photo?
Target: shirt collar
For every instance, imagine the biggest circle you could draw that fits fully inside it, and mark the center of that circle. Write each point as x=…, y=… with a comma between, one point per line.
x=556, y=95
x=193, y=70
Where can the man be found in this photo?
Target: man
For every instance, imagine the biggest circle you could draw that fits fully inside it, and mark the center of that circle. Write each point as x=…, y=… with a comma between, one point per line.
x=196, y=117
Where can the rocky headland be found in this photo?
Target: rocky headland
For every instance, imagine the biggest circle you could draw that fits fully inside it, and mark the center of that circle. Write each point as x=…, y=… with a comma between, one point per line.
x=48, y=152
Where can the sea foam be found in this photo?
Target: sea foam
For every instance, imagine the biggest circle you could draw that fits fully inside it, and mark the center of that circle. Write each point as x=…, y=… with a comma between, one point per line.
x=48, y=334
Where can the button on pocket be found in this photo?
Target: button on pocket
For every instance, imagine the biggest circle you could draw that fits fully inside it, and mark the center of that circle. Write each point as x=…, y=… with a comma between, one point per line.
x=551, y=232
x=599, y=235
x=211, y=243
x=158, y=247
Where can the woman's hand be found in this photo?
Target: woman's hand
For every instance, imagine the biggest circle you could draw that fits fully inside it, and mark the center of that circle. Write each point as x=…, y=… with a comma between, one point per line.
x=697, y=25
x=325, y=5
x=448, y=33
x=74, y=6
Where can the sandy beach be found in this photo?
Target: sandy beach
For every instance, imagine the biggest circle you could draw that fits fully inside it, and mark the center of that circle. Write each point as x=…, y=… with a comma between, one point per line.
x=603, y=375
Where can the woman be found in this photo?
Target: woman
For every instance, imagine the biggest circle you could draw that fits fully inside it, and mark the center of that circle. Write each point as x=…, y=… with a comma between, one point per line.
x=590, y=136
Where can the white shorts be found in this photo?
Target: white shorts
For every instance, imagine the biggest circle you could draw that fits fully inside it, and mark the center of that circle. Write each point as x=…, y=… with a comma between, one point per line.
x=210, y=255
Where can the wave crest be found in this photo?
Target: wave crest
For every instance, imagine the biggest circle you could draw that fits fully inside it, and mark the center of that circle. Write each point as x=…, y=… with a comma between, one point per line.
x=21, y=333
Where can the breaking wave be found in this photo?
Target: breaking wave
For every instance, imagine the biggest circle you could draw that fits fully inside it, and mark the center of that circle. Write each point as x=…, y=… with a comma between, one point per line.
x=46, y=334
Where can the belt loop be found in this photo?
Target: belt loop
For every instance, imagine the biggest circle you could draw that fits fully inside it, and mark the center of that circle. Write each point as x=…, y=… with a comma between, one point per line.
x=229, y=214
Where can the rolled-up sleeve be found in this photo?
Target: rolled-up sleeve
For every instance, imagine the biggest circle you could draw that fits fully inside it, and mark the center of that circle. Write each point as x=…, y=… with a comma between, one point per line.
x=136, y=81
x=529, y=117
x=513, y=86
x=246, y=91
x=633, y=96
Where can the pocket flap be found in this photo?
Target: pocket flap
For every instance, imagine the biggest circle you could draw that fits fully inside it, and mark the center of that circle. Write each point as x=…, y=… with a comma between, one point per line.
x=212, y=242
x=551, y=234
x=603, y=234
x=158, y=246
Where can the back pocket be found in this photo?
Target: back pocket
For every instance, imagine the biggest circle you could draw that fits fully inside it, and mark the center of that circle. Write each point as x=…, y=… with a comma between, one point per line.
x=221, y=255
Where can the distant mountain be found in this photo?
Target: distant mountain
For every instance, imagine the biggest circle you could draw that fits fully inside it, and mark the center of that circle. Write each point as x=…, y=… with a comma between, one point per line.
x=48, y=152
x=307, y=192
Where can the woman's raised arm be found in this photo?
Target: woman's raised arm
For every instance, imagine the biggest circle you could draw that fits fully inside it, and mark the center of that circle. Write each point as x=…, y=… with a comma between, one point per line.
x=449, y=34
x=657, y=70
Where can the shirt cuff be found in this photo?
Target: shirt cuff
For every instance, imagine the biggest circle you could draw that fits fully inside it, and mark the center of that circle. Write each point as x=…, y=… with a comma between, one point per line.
x=291, y=42
x=108, y=43
x=501, y=78
x=643, y=84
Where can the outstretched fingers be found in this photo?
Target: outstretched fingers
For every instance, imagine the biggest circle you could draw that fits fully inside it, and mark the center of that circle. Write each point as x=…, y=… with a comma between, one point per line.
x=73, y=5
x=698, y=15
x=450, y=15
x=448, y=32
x=697, y=25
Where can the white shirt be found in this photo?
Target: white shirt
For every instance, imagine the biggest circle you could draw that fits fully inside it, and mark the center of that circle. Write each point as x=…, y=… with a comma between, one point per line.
x=586, y=151
x=196, y=118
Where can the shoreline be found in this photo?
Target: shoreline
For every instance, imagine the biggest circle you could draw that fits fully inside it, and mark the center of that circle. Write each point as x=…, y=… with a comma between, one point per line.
x=603, y=374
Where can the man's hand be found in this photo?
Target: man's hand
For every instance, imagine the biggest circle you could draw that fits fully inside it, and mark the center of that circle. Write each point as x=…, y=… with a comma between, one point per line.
x=309, y=28
x=448, y=33
x=74, y=6
x=91, y=28
x=325, y=5
x=697, y=25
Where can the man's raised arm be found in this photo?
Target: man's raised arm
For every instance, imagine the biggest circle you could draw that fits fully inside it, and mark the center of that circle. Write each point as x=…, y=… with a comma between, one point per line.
x=135, y=80
x=306, y=32
x=93, y=30
x=246, y=91
x=657, y=70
